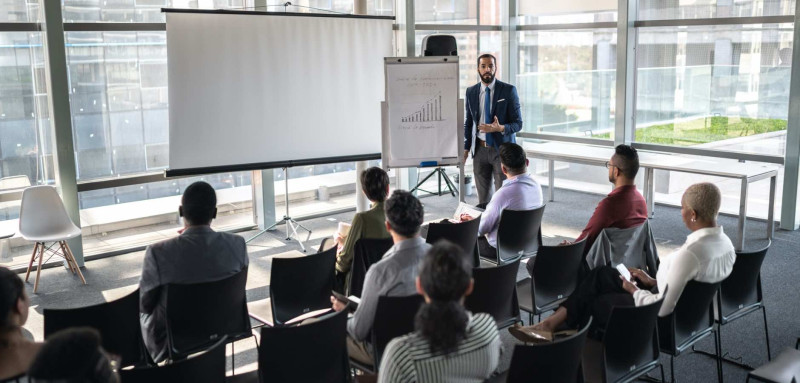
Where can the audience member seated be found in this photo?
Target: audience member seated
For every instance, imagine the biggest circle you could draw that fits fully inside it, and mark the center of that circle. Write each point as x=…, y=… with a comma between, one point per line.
x=367, y=224
x=74, y=355
x=16, y=351
x=450, y=344
x=198, y=254
x=519, y=192
x=706, y=256
x=624, y=207
x=394, y=275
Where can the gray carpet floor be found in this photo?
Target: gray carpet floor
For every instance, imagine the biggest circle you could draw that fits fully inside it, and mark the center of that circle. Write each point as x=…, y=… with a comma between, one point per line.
x=111, y=278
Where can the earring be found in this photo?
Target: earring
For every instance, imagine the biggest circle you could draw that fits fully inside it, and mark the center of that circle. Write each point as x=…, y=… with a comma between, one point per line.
x=693, y=220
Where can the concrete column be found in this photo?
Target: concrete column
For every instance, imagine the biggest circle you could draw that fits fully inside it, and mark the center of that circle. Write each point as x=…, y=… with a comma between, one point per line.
x=61, y=116
x=790, y=209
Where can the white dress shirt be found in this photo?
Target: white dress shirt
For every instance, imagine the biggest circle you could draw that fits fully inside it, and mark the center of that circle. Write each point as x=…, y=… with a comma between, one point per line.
x=482, y=100
x=707, y=256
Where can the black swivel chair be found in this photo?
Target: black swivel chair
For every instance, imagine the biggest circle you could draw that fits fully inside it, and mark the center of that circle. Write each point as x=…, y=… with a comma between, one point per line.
x=313, y=352
x=559, y=361
x=199, y=314
x=631, y=351
x=556, y=272
x=118, y=324
x=301, y=285
x=519, y=234
x=495, y=293
x=366, y=252
x=464, y=235
x=690, y=321
x=740, y=294
x=206, y=367
x=394, y=316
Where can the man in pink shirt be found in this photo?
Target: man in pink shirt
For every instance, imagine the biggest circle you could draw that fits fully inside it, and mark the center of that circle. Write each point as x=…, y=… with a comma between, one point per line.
x=624, y=207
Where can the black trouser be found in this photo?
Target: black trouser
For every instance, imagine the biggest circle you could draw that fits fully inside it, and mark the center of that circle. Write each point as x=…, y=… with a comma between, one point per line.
x=486, y=250
x=599, y=291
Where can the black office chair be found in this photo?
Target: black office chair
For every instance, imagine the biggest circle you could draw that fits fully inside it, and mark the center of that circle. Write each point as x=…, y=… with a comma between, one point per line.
x=559, y=361
x=118, y=324
x=313, y=352
x=631, y=351
x=366, y=253
x=519, y=234
x=301, y=285
x=326, y=244
x=691, y=321
x=394, y=316
x=464, y=235
x=199, y=314
x=495, y=293
x=740, y=294
x=556, y=271
x=205, y=367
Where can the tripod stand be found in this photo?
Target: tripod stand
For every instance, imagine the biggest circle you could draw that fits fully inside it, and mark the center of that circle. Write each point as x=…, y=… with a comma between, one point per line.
x=287, y=219
x=451, y=187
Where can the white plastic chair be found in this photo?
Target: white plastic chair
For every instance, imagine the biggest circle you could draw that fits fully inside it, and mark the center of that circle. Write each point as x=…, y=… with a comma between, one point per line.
x=43, y=220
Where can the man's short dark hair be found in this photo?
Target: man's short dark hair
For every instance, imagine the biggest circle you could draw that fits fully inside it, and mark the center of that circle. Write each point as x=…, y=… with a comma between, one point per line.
x=487, y=56
x=375, y=183
x=512, y=156
x=72, y=355
x=199, y=203
x=627, y=160
x=404, y=213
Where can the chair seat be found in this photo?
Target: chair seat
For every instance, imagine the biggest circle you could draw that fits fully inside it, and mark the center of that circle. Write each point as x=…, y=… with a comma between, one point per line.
x=63, y=235
x=781, y=369
x=247, y=377
x=524, y=295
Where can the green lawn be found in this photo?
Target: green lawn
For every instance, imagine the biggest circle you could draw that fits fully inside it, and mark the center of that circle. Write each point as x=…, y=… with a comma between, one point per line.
x=703, y=130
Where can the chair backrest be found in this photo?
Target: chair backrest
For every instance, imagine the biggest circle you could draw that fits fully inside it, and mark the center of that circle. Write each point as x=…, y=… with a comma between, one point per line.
x=117, y=321
x=205, y=367
x=742, y=288
x=366, y=252
x=495, y=293
x=199, y=314
x=42, y=212
x=519, y=233
x=300, y=285
x=556, y=270
x=326, y=244
x=630, y=341
x=692, y=318
x=559, y=361
x=464, y=234
x=633, y=247
x=394, y=316
x=314, y=352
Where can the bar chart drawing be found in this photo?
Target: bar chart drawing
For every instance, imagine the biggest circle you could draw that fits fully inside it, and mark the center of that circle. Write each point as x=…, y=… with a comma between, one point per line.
x=430, y=110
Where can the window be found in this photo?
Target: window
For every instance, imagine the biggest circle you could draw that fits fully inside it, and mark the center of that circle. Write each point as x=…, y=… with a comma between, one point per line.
x=446, y=12
x=703, y=9
x=532, y=12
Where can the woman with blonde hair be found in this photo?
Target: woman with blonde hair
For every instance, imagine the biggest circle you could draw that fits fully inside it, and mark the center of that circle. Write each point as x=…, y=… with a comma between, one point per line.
x=706, y=256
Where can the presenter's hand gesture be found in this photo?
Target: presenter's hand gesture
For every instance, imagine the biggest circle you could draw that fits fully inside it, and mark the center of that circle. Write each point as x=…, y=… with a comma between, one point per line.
x=494, y=127
x=466, y=155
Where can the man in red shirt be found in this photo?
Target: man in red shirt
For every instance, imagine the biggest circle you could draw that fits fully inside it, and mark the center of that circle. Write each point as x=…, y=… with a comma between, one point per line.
x=624, y=207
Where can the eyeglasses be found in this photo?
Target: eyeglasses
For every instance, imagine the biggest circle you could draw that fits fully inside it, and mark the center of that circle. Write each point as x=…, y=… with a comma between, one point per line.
x=609, y=165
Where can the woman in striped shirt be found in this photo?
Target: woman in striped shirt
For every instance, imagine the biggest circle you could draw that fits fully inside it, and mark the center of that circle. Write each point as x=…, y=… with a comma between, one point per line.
x=450, y=344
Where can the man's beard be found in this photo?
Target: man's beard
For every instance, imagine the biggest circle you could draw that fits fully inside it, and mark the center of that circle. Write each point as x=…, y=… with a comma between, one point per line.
x=487, y=78
x=612, y=179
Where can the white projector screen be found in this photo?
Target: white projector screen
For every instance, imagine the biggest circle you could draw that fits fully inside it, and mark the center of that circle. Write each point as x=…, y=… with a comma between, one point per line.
x=257, y=90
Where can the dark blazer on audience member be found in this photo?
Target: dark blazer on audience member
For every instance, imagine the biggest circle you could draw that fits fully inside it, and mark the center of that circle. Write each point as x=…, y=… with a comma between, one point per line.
x=198, y=255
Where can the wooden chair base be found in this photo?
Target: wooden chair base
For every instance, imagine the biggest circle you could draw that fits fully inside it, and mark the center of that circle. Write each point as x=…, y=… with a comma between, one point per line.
x=62, y=251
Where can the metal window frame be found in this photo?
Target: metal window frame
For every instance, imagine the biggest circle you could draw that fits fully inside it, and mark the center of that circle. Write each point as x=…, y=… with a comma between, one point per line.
x=714, y=21
x=20, y=27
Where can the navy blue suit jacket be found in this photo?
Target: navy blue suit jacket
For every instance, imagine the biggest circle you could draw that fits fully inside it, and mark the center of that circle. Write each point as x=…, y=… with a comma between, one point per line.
x=505, y=105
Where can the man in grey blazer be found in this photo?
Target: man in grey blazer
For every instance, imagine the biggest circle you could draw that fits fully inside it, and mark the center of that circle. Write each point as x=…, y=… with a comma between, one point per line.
x=492, y=117
x=199, y=254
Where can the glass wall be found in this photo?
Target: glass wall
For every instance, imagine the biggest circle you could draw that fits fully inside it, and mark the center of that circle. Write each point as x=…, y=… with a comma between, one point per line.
x=704, y=9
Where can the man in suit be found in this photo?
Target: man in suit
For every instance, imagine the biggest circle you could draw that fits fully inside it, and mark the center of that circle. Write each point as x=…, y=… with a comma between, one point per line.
x=199, y=254
x=493, y=117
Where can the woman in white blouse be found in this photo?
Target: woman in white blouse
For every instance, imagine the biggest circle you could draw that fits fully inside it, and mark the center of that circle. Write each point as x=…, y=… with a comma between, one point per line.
x=706, y=256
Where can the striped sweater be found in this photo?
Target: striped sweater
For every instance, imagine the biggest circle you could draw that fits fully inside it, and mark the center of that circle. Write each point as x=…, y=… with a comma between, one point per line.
x=409, y=358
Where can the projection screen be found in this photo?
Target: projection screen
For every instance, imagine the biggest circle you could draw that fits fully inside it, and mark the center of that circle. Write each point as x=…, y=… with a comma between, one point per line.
x=260, y=90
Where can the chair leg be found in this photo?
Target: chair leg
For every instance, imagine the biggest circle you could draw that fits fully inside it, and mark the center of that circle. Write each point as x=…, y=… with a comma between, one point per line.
x=233, y=358
x=30, y=264
x=74, y=262
x=718, y=344
x=661, y=367
x=66, y=257
x=766, y=332
x=672, y=368
x=39, y=269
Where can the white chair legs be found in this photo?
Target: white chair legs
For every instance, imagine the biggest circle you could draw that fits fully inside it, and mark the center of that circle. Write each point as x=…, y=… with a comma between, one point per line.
x=63, y=251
